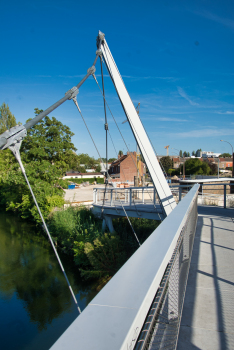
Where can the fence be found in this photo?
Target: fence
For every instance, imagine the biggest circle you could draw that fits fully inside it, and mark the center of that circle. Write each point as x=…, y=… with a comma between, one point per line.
x=143, y=302
x=161, y=327
x=125, y=196
x=134, y=195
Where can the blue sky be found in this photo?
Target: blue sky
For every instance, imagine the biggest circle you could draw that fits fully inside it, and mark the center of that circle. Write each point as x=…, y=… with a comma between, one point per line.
x=176, y=59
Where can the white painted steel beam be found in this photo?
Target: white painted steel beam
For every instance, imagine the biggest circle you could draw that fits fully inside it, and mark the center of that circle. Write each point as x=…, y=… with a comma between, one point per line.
x=158, y=178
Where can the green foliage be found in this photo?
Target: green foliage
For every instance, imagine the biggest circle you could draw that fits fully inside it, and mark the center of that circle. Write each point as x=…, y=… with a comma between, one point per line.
x=98, y=168
x=195, y=166
x=198, y=152
x=99, y=180
x=97, y=254
x=111, y=160
x=225, y=155
x=213, y=167
x=106, y=256
x=181, y=153
x=72, y=228
x=120, y=153
x=89, y=162
x=167, y=163
x=46, y=152
x=7, y=119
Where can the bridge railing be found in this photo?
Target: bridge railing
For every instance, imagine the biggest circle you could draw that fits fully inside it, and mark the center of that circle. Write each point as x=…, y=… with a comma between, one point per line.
x=126, y=196
x=134, y=195
x=143, y=302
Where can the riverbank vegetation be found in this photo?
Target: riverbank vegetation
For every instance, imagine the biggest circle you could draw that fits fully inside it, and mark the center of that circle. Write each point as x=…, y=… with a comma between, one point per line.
x=98, y=255
x=47, y=153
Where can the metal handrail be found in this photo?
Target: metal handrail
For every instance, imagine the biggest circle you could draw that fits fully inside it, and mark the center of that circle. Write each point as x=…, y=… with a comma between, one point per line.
x=115, y=317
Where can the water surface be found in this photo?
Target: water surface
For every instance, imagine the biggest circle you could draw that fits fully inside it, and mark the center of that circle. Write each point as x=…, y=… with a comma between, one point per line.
x=35, y=302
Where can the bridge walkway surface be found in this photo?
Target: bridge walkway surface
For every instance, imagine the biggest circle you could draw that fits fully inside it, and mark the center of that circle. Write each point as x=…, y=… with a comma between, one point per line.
x=208, y=314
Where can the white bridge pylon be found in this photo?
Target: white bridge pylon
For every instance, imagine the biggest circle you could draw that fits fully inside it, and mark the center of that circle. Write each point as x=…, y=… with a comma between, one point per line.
x=159, y=181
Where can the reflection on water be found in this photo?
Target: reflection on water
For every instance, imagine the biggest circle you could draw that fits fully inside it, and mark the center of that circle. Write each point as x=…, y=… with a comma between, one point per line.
x=35, y=303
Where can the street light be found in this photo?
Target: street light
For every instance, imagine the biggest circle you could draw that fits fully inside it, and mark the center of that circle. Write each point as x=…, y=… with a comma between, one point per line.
x=232, y=157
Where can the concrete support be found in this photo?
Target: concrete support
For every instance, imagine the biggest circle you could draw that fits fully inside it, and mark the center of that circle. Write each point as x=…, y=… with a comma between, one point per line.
x=107, y=221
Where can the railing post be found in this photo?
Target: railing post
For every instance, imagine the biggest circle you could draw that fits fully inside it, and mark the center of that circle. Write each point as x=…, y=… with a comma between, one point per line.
x=180, y=193
x=225, y=197
x=154, y=195
x=143, y=201
x=130, y=197
x=111, y=197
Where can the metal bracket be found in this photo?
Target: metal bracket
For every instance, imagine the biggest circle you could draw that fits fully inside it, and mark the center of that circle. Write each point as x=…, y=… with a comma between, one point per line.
x=15, y=149
x=91, y=70
x=99, y=52
x=73, y=91
x=12, y=136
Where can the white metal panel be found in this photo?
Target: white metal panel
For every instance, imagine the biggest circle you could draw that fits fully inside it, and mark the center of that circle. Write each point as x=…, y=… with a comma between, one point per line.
x=141, y=137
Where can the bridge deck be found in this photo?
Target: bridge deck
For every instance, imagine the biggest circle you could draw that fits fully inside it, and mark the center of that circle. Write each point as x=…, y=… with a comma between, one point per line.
x=208, y=314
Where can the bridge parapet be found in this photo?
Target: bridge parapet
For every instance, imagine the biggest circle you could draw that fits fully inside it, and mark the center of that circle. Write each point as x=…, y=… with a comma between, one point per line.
x=143, y=301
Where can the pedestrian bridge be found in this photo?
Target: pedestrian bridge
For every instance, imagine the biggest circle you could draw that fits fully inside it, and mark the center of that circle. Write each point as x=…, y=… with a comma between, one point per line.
x=175, y=292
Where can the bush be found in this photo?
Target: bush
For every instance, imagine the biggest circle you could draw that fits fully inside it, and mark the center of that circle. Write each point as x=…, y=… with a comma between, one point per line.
x=99, y=180
x=98, y=255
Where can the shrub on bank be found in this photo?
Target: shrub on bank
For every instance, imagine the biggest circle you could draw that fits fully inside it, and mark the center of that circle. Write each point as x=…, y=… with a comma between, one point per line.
x=97, y=254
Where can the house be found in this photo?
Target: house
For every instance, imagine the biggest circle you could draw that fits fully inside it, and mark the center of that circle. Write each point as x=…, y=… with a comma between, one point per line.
x=176, y=162
x=125, y=168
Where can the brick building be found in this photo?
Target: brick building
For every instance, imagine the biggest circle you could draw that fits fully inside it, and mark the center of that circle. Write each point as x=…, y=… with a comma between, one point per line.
x=125, y=168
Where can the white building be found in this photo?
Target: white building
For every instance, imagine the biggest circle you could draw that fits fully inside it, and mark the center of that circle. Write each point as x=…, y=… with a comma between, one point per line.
x=83, y=176
x=205, y=154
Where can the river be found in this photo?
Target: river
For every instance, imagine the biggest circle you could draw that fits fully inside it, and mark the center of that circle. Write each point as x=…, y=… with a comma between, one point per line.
x=35, y=303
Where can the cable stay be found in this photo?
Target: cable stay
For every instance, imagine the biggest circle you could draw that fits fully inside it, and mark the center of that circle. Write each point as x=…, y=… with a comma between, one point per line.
x=12, y=138
x=73, y=97
x=124, y=139
x=15, y=150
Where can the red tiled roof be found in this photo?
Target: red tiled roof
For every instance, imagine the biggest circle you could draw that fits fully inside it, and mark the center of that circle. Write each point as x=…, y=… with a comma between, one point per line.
x=117, y=161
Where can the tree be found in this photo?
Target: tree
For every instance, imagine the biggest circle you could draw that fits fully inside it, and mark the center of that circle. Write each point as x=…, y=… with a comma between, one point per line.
x=198, y=152
x=167, y=163
x=193, y=153
x=195, y=166
x=7, y=119
x=188, y=154
x=47, y=153
x=111, y=160
x=120, y=153
x=98, y=168
x=181, y=154
x=87, y=161
x=225, y=155
x=185, y=154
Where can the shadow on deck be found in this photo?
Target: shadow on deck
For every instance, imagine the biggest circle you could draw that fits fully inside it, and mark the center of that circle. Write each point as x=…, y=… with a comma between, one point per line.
x=208, y=313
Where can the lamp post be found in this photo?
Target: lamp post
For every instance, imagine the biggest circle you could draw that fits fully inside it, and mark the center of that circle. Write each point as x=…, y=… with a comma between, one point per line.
x=183, y=162
x=232, y=157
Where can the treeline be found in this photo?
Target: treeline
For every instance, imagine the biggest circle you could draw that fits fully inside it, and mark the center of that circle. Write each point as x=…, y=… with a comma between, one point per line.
x=187, y=154
x=193, y=166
